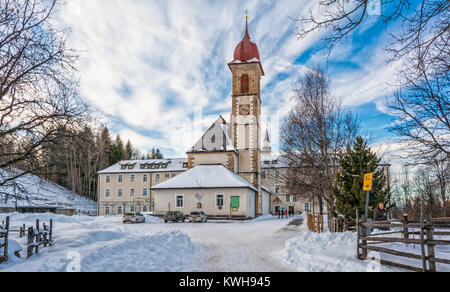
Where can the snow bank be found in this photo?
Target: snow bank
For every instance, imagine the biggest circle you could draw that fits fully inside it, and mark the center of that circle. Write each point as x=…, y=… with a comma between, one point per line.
x=84, y=243
x=336, y=252
x=324, y=252
x=34, y=191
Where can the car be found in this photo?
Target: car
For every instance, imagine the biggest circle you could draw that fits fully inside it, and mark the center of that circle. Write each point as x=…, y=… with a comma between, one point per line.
x=133, y=217
x=174, y=216
x=198, y=217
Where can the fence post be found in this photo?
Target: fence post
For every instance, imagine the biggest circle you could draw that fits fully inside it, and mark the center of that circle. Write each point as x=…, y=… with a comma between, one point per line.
x=431, y=254
x=405, y=226
x=5, y=245
x=318, y=223
x=358, y=255
x=29, y=242
x=345, y=224
x=321, y=223
x=50, y=235
x=38, y=237
x=45, y=235
x=422, y=246
x=364, y=240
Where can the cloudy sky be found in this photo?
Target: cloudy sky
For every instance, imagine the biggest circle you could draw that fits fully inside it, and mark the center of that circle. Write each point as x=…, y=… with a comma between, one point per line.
x=153, y=68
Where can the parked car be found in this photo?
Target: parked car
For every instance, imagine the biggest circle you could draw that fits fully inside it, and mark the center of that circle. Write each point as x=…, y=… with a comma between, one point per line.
x=133, y=217
x=174, y=216
x=198, y=217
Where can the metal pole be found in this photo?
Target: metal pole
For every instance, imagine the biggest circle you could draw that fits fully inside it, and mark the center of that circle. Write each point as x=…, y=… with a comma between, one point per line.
x=367, y=204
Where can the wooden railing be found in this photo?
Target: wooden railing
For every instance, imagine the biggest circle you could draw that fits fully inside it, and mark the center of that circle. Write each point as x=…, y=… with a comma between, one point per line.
x=40, y=235
x=341, y=224
x=314, y=222
x=426, y=229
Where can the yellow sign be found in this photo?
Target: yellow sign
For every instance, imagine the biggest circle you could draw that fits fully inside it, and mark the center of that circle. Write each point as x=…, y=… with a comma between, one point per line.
x=367, y=182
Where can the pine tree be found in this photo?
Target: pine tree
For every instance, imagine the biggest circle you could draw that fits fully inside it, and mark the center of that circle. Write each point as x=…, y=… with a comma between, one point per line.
x=129, y=150
x=158, y=154
x=118, y=152
x=348, y=190
x=104, y=144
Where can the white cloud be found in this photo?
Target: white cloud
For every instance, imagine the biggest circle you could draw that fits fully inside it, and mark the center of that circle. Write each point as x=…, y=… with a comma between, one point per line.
x=172, y=56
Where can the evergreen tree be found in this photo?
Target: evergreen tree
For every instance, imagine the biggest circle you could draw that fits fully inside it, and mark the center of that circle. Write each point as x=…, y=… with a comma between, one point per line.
x=104, y=144
x=349, y=183
x=129, y=150
x=118, y=152
x=158, y=154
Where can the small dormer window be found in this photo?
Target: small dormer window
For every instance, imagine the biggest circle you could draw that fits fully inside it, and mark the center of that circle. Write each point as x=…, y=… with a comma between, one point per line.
x=123, y=166
x=185, y=165
x=275, y=162
x=142, y=165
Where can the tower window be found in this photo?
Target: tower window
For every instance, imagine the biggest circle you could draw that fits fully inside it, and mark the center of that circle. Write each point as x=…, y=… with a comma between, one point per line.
x=244, y=83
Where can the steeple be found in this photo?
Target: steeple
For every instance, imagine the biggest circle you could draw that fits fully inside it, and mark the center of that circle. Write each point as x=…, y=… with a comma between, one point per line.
x=266, y=143
x=246, y=50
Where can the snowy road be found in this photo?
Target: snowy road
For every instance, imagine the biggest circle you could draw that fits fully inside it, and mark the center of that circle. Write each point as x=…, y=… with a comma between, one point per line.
x=85, y=243
x=238, y=246
x=106, y=244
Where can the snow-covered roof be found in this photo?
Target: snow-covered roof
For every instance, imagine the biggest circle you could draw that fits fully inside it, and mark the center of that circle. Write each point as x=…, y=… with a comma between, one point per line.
x=148, y=165
x=30, y=191
x=205, y=176
x=216, y=138
x=269, y=160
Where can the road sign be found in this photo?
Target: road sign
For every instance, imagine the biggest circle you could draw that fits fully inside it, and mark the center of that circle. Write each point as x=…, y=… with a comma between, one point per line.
x=367, y=181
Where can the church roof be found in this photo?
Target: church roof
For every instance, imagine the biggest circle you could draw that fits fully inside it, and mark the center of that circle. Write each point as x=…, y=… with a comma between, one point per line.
x=205, y=176
x=215, y=139
x=246, y=51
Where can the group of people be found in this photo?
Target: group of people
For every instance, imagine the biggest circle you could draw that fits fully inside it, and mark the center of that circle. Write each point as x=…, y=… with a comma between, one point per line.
x=285, y=213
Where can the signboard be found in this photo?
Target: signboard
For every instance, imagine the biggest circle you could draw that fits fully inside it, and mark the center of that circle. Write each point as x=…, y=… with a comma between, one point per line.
x=367, y=186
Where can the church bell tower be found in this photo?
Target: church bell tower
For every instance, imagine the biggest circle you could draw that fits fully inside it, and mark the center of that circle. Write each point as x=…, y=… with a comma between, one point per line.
x=246, y=111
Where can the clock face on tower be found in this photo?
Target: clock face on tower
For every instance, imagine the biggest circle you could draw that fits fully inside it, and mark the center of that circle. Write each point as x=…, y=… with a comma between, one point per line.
x=244, y=109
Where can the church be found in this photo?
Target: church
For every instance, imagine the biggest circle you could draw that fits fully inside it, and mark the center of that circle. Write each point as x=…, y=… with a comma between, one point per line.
x=226, y=172
x=224, y=165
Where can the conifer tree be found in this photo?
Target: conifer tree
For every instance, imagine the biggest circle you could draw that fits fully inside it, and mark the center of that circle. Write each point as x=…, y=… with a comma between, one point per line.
x=348, y=190
x=129, y=150
x=118, y=152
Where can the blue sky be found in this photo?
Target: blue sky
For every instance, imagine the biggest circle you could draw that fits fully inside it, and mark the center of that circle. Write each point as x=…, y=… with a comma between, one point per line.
x=150, y=67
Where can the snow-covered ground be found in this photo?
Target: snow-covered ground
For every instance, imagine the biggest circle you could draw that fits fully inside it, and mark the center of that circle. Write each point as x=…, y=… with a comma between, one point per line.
x=336, y=252
x=263, y=244
x=34, y=191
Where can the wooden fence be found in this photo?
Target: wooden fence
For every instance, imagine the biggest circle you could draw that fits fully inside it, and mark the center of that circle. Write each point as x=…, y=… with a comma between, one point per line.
x=341, y=224
x=314, y=222
x=426, y=229
x=36, y=236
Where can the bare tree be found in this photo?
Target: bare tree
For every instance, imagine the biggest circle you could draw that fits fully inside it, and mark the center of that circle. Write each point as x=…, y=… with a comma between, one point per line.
x=426, y=188
x=39, y=98
x=315, y=133
x=440, y=170
x=403, y=185
x=422, y=47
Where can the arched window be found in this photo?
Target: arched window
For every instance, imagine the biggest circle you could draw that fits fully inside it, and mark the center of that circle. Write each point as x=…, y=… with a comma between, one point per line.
x=244, y=83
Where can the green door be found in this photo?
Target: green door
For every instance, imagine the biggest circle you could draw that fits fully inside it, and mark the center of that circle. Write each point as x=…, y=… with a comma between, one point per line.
x=234, y=203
